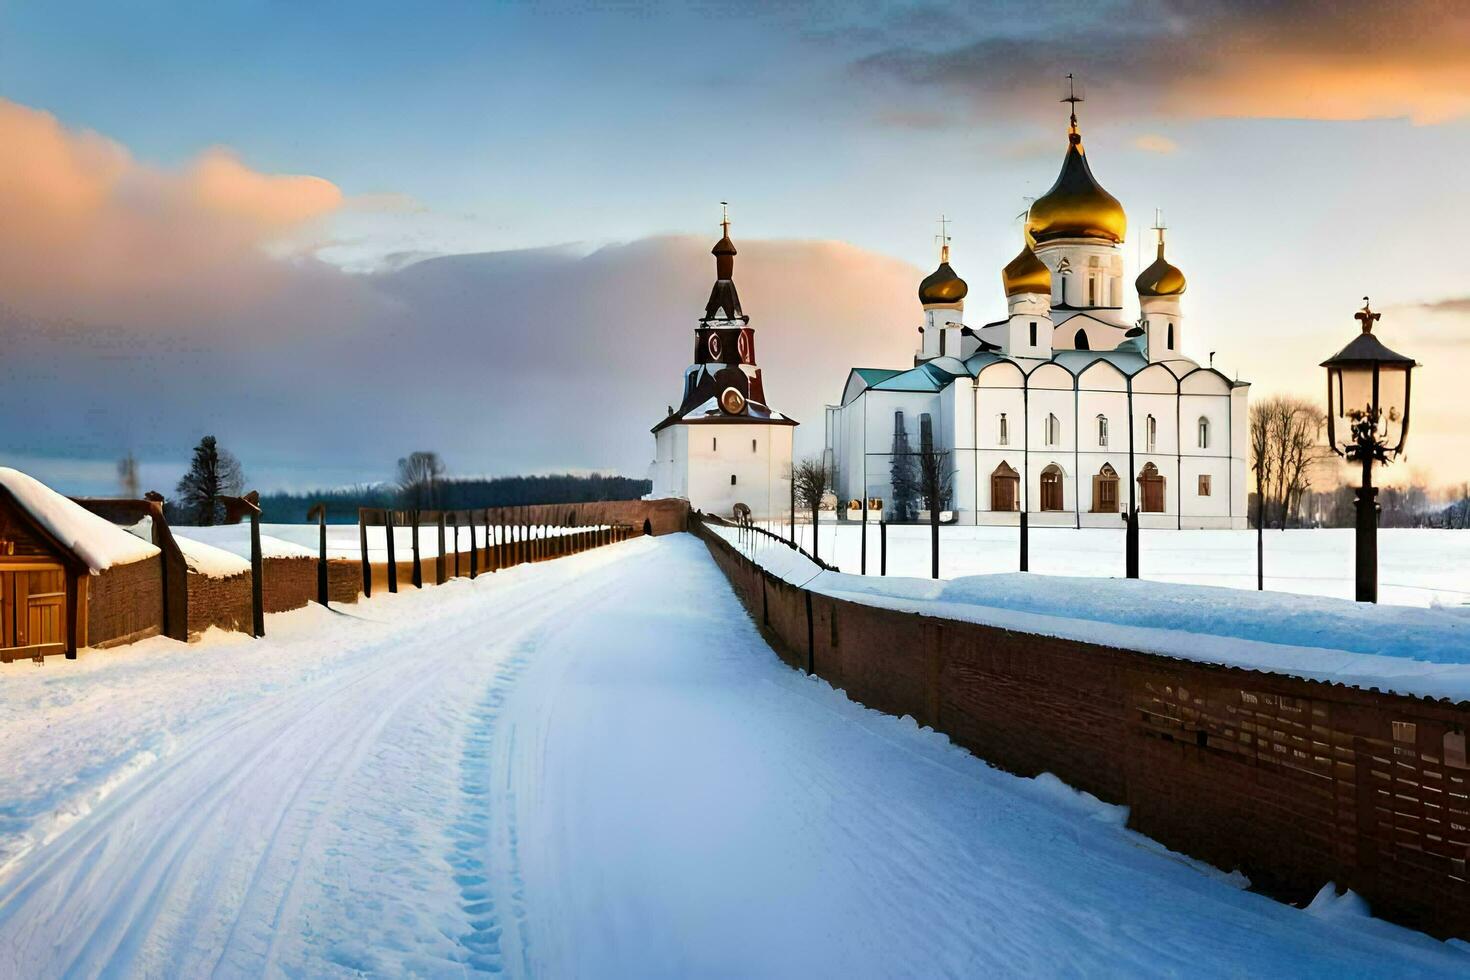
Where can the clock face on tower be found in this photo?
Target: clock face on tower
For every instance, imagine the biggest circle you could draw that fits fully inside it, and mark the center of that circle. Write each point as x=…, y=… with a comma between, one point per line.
x=713, y=345
x=732, y=401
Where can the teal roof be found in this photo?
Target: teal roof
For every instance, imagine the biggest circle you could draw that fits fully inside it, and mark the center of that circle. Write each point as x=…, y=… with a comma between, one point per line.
x=925, y=377
x=874, y=375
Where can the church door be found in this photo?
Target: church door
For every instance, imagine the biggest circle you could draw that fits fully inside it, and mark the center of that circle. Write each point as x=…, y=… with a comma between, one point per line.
x=1151, y=482
x=1105, y=491
x=1051, y=488
x=1004, y=484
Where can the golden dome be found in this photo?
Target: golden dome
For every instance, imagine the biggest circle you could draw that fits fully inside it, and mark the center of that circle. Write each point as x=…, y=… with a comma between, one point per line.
x=1025, y=274
x=1161, y=278
x=1076, y=206
x=942, y=287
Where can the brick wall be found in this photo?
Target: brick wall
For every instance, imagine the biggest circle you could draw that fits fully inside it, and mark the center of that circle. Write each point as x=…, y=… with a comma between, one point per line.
x=125, y=603
x=290, y=583
x=222, y=602
x=1294, y=782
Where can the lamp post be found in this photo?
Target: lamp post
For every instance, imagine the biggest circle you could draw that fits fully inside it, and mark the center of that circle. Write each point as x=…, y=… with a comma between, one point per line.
x=1367, y=422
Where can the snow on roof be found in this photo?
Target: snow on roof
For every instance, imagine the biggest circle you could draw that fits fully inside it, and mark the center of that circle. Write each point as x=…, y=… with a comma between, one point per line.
x=1409, y=650
x=209, y=561
x=235, y=538
x=96, y=541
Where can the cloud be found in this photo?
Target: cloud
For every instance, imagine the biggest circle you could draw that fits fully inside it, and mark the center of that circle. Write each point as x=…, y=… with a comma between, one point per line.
x=1351, y=59
x=92, y=234
x=1154, y=143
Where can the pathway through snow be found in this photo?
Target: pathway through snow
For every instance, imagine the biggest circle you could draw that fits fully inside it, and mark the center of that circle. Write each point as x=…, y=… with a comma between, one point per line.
x=588, y=767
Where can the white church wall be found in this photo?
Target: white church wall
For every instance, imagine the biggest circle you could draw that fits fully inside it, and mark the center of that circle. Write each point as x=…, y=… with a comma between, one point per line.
x=758, y=457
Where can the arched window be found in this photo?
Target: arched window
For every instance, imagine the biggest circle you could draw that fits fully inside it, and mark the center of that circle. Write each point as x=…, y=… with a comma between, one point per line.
x=1105, y=490
x=1080, y=341
x=1051, y=488
x=1150, y=434
x=1204, y=432
x=1003, y=428
x=1053, y=433
x=1169, y=342
x=1005, y=484
x=1102, y=430
x=1151, y=482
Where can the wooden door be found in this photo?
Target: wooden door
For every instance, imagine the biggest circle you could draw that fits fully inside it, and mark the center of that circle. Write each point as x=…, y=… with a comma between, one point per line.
x=1051, y=489
x=32, y=611
x=1153, y=489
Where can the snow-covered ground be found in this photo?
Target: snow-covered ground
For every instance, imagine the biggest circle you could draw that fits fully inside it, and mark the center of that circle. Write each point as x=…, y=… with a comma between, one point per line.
x=587, y=767
x=1416, y=567
x=344, y=540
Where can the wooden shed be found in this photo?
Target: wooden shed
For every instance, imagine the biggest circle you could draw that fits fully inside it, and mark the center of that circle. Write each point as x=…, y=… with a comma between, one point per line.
x=69, y=578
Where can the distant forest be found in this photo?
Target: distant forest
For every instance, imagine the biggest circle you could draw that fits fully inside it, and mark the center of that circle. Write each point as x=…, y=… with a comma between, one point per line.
x=454, y=494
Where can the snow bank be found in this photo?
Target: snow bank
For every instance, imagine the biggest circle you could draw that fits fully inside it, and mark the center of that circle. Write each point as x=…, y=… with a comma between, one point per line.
x=209, y=561
x=1409, y=650
x=98, y=542
x=235, y=538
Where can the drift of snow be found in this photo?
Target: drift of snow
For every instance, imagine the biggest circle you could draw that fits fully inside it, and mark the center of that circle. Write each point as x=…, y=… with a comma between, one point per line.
x=209, y=561
x=587, y=767
x=235, y=538
x=98, y=542
x=1406, y=649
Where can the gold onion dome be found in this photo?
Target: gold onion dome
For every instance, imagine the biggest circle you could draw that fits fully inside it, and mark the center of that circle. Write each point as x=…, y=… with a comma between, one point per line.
x=942, y=286
x=1025, y=274
x=1161, y=278
x=1076, y=206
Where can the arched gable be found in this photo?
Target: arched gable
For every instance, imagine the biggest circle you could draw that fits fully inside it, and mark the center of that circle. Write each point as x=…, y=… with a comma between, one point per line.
x=1102, y=375
x=1052, y=376
x=1155, y=379
x=1001, y=374
x=1204, y=381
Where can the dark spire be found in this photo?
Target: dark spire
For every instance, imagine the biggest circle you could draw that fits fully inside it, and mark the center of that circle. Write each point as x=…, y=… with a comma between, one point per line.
x=723, y=299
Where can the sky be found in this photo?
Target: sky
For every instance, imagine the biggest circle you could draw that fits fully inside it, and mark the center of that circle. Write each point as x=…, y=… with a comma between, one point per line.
x=333, y=234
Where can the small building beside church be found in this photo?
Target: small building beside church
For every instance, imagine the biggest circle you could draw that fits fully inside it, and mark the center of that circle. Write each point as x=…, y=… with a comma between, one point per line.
x=724, y=445
x=1042, y=409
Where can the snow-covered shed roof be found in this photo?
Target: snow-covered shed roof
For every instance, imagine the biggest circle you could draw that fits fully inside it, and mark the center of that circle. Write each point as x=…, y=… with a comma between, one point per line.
x=209, y=561
x=98, y=543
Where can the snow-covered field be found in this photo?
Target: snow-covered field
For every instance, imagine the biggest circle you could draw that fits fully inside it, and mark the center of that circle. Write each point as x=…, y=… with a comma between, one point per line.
x=587, y=767
x=1416, y=567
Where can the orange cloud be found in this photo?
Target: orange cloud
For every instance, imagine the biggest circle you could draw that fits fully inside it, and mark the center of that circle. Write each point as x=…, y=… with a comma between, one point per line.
x=92, y=234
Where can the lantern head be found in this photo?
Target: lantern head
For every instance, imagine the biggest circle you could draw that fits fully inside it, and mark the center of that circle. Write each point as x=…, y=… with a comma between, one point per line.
x=1368, y=395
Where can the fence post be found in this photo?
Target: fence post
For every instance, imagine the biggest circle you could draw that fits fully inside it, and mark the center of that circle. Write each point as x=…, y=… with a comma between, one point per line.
x=392, y=558
x=367, y=566
x=1025, y=545
x=811, y=636
x=319, y=512
x=863, y=566
x=474, y=547
x=418, y=568
x=882, y=547
x=257, y=568
x=439, y=562
x=454, y=522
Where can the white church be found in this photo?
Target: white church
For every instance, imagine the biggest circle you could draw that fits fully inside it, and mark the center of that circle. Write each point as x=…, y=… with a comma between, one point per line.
x=724, y=445
x=1042, y=409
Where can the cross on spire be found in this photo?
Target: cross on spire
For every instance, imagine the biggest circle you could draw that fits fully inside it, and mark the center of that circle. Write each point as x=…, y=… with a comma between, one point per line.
x=1073, y=98
x=943, y=238
x=725, y=218
x=1159, y=227
x=1367, y=318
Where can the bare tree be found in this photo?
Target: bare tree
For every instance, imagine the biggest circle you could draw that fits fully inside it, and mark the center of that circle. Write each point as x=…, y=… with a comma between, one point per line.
x=1286, y=444
x=936, y=485
x=418, y=480
x=127, y=477
x=213, y=473
x=811, y=479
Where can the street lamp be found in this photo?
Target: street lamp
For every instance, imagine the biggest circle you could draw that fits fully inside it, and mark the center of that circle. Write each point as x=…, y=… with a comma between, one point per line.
x=1367, y=422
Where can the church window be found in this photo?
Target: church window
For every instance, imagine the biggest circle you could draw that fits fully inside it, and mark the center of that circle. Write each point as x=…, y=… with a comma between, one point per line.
x=714, y=445
x=732, y=479
x=1204, y=485
x=926, y=433
x=1204, y=433
x=1033, y=333
x=1169, y=341
x=1092, y=290
x=752, y=445
x=1102, y=431
x=1080, y=341
x=1150, y=434
x=1053, y=430
x=1005, y=430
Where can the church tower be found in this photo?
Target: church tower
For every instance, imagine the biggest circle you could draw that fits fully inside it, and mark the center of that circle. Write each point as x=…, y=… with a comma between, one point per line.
x=942, y=294
x=1159, y=289
x=724, y=445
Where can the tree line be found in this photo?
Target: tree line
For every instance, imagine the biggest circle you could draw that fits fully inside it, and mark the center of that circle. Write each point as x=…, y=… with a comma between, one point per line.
x=421, y=484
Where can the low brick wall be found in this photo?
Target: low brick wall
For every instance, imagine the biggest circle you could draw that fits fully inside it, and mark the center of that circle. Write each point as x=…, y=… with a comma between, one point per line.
x=666, y=516
x=125, y=603
x=290, y=583
x=222, y=602
x=1294, y=782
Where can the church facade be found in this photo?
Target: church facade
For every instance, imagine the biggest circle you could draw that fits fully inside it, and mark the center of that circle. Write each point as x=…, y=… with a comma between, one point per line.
x=724, y=445
x=1042, y=410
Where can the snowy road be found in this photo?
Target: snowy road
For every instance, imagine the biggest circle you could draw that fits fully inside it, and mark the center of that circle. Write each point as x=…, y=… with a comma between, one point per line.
x=588, y=767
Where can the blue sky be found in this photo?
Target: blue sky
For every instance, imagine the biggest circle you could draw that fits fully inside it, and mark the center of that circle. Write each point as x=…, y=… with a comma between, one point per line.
x=1302, y=156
